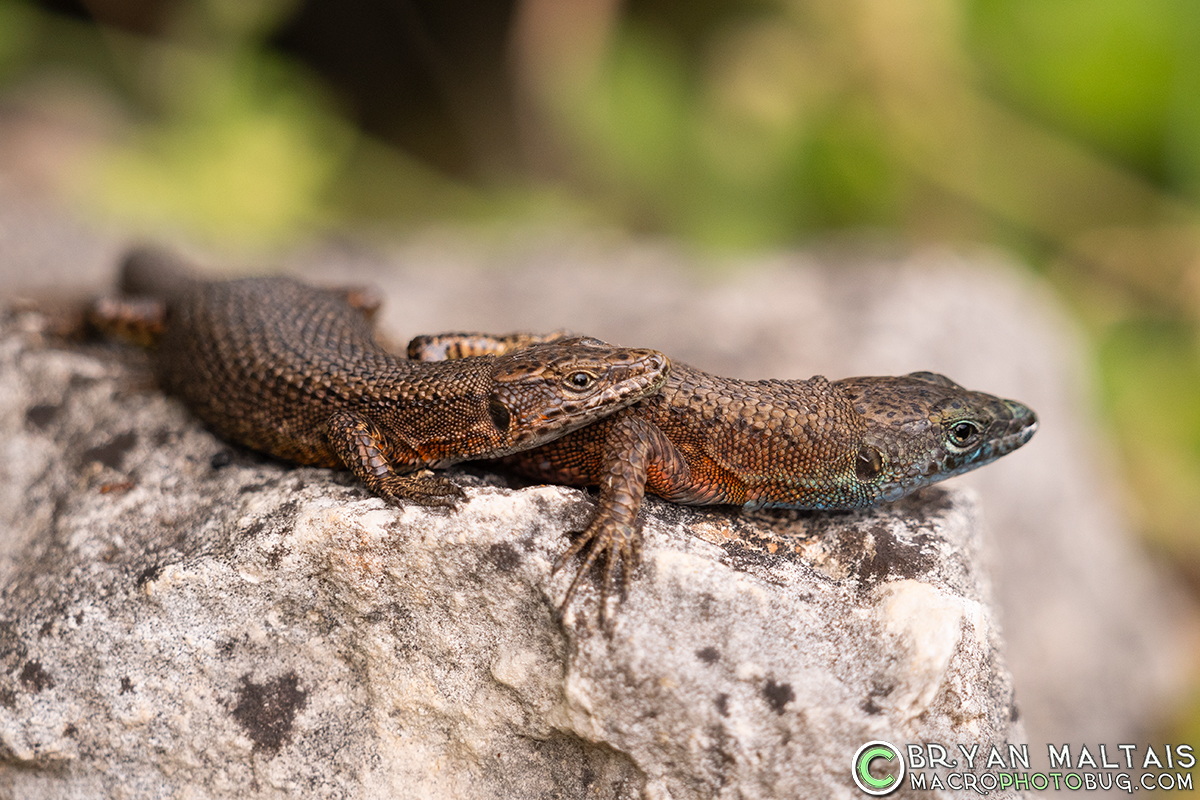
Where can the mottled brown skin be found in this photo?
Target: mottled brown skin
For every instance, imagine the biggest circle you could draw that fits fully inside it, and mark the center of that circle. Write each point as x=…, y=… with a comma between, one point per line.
x=813, y=444
x=295, y=372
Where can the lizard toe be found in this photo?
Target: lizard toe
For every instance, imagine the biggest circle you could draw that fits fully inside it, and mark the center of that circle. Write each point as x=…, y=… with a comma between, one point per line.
x=424, y=491
x=614, y=544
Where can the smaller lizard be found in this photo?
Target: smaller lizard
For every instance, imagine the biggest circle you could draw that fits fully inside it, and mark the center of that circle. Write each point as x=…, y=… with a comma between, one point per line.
x=810, y=444
x=295, y=372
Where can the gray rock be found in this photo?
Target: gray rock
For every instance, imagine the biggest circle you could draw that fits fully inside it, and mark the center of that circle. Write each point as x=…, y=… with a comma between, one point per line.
x=1096, y=636
x=179, y=619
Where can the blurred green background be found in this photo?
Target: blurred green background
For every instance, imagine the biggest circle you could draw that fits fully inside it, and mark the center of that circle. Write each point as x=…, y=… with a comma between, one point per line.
x=1065, y=131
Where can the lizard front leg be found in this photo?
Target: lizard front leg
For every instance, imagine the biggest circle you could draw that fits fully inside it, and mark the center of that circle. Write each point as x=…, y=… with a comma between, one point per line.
x=362, y=447
x=632, y=448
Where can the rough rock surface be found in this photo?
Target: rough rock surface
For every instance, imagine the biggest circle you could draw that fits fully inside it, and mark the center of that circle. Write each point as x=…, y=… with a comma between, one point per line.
x=1097, y=638
x=182, y=619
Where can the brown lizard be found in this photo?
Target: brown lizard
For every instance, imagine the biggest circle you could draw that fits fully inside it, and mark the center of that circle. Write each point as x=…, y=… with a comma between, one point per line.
x=703, y=439
x=295, y=371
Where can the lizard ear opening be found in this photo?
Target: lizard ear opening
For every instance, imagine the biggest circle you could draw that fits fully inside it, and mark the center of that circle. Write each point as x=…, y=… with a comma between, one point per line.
x=500, y=415
x=869, y=463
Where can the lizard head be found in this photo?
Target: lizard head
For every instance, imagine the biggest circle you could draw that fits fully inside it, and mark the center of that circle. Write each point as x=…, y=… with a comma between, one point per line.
x=546, y=390
x=923, y=427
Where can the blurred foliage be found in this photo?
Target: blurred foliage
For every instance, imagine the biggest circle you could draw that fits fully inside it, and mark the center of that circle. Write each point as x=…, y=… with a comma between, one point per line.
x=1065, y=130
x=1151, y=373
x=248, y=154
x=1118, y=75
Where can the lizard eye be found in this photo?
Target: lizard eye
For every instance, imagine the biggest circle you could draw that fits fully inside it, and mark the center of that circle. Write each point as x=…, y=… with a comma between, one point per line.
x=580, y=380
x=964, y=433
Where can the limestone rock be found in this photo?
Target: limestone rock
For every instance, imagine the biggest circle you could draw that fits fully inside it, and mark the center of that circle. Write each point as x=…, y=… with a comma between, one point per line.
x=1098, y=638
x=182, y=619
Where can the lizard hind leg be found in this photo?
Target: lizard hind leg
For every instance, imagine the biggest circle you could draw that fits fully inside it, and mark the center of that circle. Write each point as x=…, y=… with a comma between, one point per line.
x=361, y=446
x=135, y=320
x=366, y=300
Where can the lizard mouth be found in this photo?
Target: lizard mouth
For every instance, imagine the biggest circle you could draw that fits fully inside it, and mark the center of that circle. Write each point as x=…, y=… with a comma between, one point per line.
x=1021, y=428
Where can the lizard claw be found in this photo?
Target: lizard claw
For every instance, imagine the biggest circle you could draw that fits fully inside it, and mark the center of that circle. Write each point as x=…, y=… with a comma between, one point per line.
x=423, y=489
x=619, y=546
x=361, y=445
